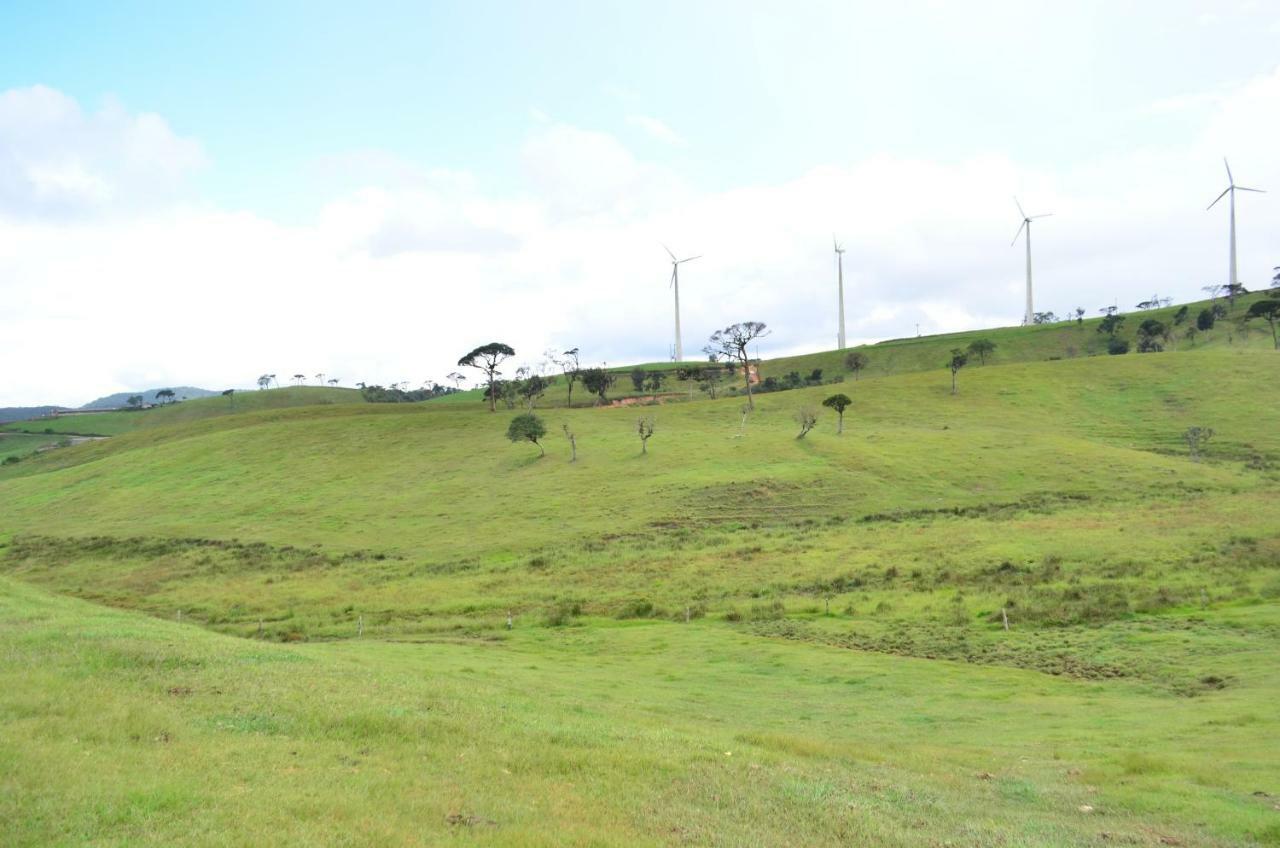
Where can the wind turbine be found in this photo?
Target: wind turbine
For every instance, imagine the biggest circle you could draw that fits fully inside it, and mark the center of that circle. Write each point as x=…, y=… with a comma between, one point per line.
x=840, y=279
x=675, y=286
x=1232, y=188
x=1030, y=317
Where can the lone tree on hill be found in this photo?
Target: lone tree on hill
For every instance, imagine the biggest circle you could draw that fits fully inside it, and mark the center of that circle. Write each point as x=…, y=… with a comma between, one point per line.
x=300, y=378
x=959, y=359
x=597, y=381
x=1196, y=437
x=457, y=379
x=839, y=403
x=527, y=427
x=135, y=401
x=709, y=380
x=855, y=361
x=573, y=442
x=487, y=358
x=1269, y=311
x=644, y=429
x=807, y=418
x=532, y=388
x=1150, y=335
x=731, y=343
x=264, y=382
x=165, y=396
x=230, y=395
x=568, y=363
x=1111, y=324
x=981, y=348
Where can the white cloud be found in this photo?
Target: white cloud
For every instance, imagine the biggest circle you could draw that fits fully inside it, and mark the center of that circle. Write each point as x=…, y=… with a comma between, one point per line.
x=397, y=277
x=58, y=161
x=657, y=129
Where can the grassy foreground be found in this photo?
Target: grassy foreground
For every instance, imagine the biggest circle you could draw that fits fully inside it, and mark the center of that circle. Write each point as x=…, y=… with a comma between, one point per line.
x=288, y=625
x=123, y=730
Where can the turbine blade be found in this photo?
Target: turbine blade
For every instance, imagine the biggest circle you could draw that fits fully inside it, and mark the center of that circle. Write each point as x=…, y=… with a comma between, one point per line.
x=669, y=253
x=1230, y=179
x=1045, y=215
x=1019, y=205
x=1258, y=190
x=690, y=259
x=1216, y=199
x=1018, y=233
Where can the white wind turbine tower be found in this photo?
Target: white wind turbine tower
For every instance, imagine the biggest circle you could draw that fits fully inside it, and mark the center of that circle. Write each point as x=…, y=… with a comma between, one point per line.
x=1030, y=317
x=675, y=286
x=840, y=280
x=1232, y=188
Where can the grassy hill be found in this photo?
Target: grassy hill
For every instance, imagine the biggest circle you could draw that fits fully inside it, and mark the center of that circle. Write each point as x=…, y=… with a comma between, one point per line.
x=300, y=612
x=118, y=422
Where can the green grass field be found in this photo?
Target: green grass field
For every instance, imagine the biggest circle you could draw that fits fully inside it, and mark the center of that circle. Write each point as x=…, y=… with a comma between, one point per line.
x=288, y=625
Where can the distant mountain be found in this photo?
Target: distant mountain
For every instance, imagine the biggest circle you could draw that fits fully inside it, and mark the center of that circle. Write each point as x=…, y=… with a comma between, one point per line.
x=148, y=396
x=22, y=413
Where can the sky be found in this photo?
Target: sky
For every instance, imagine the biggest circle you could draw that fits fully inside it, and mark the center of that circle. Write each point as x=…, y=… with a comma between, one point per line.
x=196, y=196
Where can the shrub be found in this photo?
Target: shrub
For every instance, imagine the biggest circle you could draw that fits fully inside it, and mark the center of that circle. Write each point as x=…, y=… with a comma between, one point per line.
x=1117, y=347
x=564, y=611
x=636, y=608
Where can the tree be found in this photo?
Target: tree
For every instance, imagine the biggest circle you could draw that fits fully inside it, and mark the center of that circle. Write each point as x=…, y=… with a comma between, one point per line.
x=1079, y=314
x=1181, y=315
x=709, y=380
x=486, y=359
x=1111, y=324
x=1150, y=335
x=457, y=379
x=656, y=379
x=1117, y=347
x=568, y=362
x=807, y=418
x=855, y=361
x=597, y=381
x=839, y=403
x=573, y=442
x=1269, y=311
x=1205, y=320
x=1045, y=317
x=531, y=388
x=320, y=379
x=981, y=348
x=230, y=395
x=264, y=382
x=300, y=378
x=165, y=396
x=333, y=381
x=1196, y=437
x=527, y=427
x=731, y=343
x=644, y=429
x=959, y=359
x=639, y=377
x=1190, y=335
x=135, y=401
x=1232, y=291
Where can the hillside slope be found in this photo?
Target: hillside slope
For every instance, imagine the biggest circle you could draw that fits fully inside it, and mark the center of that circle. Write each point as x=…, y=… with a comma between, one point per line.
x=1020, y=614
